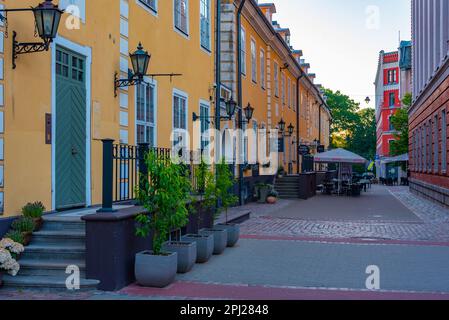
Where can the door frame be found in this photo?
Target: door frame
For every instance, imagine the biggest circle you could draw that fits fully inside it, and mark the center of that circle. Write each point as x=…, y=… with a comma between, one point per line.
x=87, y=53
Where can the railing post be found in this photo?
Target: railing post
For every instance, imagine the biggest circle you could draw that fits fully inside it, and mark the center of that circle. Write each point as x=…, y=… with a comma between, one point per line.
x=144, y=148
x=108, y=171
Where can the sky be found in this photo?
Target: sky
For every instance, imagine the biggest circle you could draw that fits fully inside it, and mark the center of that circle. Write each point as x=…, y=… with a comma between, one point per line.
x=341, y=39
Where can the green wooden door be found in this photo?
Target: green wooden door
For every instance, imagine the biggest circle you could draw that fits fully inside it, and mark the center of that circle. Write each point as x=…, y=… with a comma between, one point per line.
x=70, y=140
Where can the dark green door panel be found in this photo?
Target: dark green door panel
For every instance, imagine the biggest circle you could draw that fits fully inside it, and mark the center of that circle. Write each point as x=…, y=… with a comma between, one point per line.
x=70, y=140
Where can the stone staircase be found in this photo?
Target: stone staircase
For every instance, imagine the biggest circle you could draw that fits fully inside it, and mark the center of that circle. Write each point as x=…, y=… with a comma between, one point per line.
x=60, y=243
x=288, y=187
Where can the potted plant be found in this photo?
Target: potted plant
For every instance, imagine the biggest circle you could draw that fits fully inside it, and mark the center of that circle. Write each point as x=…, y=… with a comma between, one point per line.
x=272, y=196
x=24, y=225
x=9, y=250
x=204, y=242
x=34, y=211
x=164, y=197
x=15, y=236
x=281, y=172
x=224, y=184
x=263, y=191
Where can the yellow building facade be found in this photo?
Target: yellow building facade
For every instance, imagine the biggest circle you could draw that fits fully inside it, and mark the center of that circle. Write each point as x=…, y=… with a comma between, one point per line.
x=59, y=104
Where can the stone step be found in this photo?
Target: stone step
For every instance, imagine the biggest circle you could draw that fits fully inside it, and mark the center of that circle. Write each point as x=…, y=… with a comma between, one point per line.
x=58, y=223
x=68, y=237
x=30, y=267
x=59, y=252
x=45, y=282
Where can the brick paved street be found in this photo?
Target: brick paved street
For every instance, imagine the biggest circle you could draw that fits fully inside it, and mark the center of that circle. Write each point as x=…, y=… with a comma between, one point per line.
x=420, y=220
x=316, y=249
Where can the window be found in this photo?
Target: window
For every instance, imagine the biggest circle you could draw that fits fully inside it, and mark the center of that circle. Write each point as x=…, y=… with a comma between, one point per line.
x=294, y=96
x=283, y=88
x=392, y=76
x=443, y=141
x=145, y=114
x=255, y=152
x=151, y=4
x=429, y=145
x=276, y=79
x=243, y=50
x=181, y=16
x=289, y=92
x=262, y=69
x=423, y=148
x=205, y=23
x=245, y=143
x=204, y=114
x=436, y=144
x=390, y=124
x=253, y=62
x=392, y=99
x=179, y=112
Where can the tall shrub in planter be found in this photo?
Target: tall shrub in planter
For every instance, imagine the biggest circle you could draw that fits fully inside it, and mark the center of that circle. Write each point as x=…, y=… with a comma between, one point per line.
x=204, y=242
x=219, y=197
x=164, y=196
x=224, y=184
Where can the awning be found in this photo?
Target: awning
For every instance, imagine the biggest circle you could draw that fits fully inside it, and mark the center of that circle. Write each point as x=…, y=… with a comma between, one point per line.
x=401, y=158
x=339, y=156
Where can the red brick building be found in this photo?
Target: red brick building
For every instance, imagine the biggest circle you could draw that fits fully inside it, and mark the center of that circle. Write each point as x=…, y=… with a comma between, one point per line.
x=387, y=103
x=428, y=114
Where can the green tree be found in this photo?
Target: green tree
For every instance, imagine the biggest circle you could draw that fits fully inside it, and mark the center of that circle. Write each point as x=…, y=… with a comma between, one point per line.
x=165, y=198
x=400, y=124
x=353, y=128
x=344, y=111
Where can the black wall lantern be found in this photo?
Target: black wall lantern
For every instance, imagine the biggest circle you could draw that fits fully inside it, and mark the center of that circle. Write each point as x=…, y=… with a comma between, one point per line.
x=249, y=111
x=140, y=60
x=281, y=125
x=231, y=106
x=47, y=17
x=290, y=130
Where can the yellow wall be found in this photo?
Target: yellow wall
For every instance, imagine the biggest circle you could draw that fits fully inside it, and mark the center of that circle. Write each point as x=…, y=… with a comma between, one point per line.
x=28, y=91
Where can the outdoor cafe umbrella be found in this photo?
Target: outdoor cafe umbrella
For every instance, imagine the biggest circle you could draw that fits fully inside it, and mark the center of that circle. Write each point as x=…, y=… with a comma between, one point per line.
x=340, y=156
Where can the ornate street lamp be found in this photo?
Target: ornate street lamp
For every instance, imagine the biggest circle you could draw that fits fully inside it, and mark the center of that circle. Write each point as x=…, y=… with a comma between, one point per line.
x=290, y=129
x=367, y=100
x=47, y=17
x=249, y=111
x=231, y=106
x=140, y=59
x=281, y=125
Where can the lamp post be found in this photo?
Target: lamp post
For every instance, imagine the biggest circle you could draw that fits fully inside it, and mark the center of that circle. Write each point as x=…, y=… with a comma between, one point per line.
x=47, y=17
x=140, y=59
x=231, y=107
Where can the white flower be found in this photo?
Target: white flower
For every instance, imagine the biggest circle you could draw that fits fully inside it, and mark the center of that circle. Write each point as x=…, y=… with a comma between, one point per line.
x=5, y=255
x=11, y=246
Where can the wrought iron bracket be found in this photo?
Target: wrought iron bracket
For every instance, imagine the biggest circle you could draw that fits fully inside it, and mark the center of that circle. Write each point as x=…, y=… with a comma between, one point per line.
x=120, y=83
x=133, y=81
x=26, y=47
x=210, y=119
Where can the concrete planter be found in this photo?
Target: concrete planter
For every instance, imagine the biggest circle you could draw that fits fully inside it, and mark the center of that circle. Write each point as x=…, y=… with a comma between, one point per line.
x=155, y=271
x=233, y=231
x=204, y=246
x=220, y=239
x=186, y=251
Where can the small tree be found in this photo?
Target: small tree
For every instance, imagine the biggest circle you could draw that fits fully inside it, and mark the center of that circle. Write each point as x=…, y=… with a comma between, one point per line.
x=400, y=124
x=164, y=195
x=205, y=183
x=221, y=190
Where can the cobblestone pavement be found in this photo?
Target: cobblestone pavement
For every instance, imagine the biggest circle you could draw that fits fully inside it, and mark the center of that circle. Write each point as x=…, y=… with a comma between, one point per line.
x=434, y=225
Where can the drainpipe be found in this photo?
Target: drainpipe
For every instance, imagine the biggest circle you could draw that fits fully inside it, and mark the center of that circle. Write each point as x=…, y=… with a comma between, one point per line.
x=240, y=94
x=298, y=92
x=319, y=123
x=218, y=75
